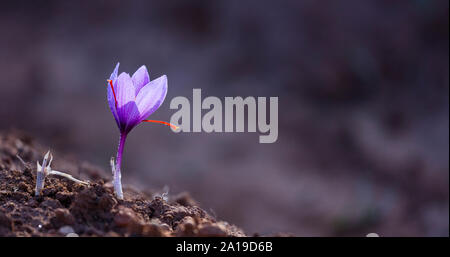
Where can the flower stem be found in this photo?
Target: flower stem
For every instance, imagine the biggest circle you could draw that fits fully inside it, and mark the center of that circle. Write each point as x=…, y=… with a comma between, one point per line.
x=117, y=175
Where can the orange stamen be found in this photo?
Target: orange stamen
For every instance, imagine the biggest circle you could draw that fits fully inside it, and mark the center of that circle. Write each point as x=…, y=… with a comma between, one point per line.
x=162, y=122
x=114, y=93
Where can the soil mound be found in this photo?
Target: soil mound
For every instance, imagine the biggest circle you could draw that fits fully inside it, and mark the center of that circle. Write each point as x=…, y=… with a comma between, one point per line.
x=66, y=208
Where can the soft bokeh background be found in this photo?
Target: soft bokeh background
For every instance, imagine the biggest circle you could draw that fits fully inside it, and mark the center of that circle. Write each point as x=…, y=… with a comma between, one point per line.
x=363, y=91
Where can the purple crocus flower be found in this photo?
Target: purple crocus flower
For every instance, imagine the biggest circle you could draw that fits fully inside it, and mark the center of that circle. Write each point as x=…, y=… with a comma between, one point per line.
x=132, y=100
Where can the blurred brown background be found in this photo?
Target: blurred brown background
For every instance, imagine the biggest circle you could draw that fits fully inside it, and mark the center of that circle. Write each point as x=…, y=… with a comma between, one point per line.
x=363, y=91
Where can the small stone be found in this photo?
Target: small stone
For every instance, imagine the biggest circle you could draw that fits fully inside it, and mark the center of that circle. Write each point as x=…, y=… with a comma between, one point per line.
x=186, y=227
x=212, y=230
x=66, y=230
x=155, y=230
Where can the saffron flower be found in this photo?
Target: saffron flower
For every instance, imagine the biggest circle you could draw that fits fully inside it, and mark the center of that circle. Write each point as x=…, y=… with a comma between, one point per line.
x=132, y=100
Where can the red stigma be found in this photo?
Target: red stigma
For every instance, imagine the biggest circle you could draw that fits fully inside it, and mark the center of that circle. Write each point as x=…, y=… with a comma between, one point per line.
x=162, y=122
x=112, y=88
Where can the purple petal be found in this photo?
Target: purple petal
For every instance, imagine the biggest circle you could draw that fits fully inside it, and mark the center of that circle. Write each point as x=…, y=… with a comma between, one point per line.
x=127, y=111
x=140, y=78
x=110, y=95
x=115, y=72
x=151, y=96
x=112, y=102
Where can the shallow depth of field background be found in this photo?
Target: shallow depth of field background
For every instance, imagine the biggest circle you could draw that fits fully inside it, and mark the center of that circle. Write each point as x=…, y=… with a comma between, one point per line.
x=363, y=91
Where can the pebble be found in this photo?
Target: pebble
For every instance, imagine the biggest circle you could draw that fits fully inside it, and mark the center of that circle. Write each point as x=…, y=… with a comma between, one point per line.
x=65, y=230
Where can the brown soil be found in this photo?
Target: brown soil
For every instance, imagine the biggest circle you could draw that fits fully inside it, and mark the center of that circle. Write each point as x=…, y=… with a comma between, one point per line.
x=65, y=207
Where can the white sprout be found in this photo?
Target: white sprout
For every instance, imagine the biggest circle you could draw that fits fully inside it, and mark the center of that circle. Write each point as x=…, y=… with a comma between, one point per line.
x=21, y=160
x=165, y=194
x=45, y=170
